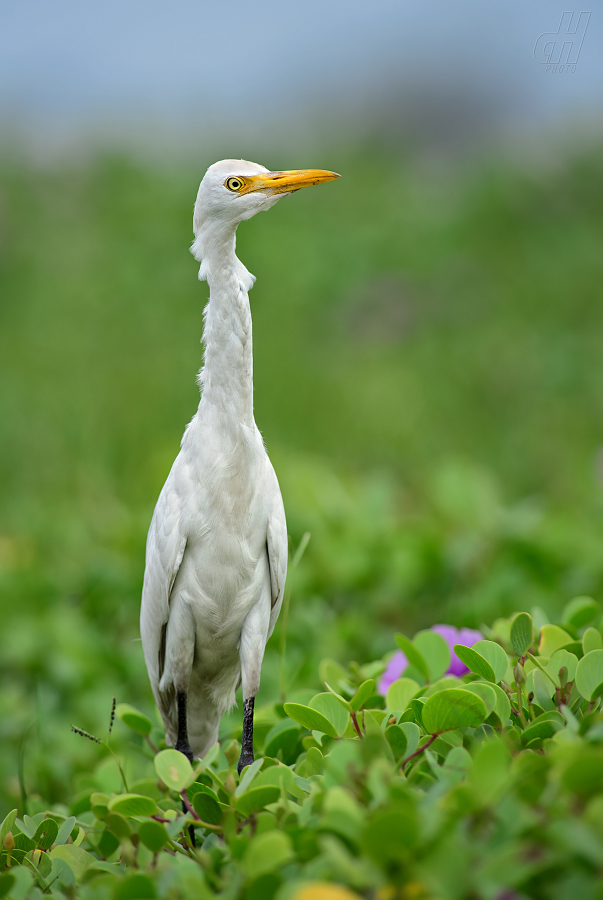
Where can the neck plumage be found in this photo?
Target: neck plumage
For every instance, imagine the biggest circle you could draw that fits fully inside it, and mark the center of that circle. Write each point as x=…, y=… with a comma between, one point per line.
x=226, y=378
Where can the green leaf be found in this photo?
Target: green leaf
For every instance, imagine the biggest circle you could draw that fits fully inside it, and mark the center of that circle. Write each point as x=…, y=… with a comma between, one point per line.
x=485, y=692
x=174, y=769
x=133, y=805
x=580, y=611
x=267, y=852
x=502, y=709
x=257, y=798
x=310, y=718
x=416, y=706
x=495, y=655
x=396, y=738
x=331, y=709
x=65, y=830
x=77, y=859
x=7, y=824
x=133, y=718
x=413, y=655
x=521, y=633
x=333, y=672
x=247, y=776
x=366, y=690
x=589, y=675
x=6, y=882
x=118, y=825
x=559, y=659
x=391, y=833
x=539, y=730
x=400, y=693
x=552, y=638
x=135, y=887
x=46, y=834
x=413, y=736
x=207, y=808
x=584, y=774
x=153, y=835
x=475, y=662
x=345, y=703
x=453, y=708
x=435, y=651
x=282, y=737
x=592, y=640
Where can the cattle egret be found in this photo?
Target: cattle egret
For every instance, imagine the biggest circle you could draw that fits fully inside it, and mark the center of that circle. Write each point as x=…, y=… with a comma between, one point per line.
x=216, y=556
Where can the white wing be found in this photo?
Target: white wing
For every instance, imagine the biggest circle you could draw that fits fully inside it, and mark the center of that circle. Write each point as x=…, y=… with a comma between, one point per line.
x=276, y=545
x=166, y=544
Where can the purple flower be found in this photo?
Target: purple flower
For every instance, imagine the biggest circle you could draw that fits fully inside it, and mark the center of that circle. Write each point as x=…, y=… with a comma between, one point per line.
x=466, y=636
x=398, y=663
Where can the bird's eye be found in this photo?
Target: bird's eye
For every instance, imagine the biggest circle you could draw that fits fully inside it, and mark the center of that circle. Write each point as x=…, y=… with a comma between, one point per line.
x=233, y=184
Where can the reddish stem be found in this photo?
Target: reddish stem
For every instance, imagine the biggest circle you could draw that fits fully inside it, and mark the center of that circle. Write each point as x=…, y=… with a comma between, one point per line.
x=420, y=750
x=356, y=725
x=189, y=808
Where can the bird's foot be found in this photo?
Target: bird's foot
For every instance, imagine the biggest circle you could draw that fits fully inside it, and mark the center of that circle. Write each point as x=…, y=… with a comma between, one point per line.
x=245, y=759
x=185, y=748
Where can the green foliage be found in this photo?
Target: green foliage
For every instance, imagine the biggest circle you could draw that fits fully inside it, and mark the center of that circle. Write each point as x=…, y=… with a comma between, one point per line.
x=361, y=801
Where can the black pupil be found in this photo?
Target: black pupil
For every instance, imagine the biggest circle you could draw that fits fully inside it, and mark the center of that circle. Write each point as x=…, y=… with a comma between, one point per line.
x=234, y=183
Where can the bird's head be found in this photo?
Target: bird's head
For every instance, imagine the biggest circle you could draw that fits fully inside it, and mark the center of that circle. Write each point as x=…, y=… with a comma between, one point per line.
x=233, y=190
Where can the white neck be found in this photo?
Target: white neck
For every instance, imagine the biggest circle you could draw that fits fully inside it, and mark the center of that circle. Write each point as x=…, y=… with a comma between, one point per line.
x=227, y=375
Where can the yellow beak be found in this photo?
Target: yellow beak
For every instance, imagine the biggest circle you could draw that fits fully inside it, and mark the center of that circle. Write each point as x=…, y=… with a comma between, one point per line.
x=286, y=182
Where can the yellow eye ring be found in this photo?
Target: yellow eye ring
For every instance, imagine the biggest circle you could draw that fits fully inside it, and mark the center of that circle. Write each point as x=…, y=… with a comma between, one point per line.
x=233, y=184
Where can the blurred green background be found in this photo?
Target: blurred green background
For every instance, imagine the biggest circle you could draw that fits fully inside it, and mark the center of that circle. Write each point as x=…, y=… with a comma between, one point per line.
x=428, y=381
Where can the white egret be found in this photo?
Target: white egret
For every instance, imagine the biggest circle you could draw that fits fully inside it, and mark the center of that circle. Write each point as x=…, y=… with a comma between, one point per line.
x=216, y=556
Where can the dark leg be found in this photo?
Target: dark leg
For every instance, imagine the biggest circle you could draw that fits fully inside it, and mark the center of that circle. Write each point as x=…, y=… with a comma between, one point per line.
x=246, y=757
x=183, y=746
x=182, y=743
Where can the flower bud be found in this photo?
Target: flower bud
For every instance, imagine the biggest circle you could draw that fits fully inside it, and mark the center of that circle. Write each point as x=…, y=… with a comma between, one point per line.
x=9, y=842
x=563, y=676
x=519, y=675
x=232, y=752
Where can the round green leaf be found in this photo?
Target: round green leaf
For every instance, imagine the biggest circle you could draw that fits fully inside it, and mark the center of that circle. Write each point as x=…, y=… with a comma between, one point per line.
x=400, y=693
x=413, y=735
x=135, y=887
x=133, y=805
x=521, y=633
x=282, y=737
x=46, y=833
x=118, y=825
x=392, y=830
x=6, y=882
x=331, y=709
x=559, y=659
x=589, y=675
x=539, y=730
x=475, y=662
x=133, y=718
x=485, y=692
x=453, y=708
x=580, y=611
x=366, y=690
x=502, y=708
x=435, y=651
x=396, y=738
x=495, y=655
x=584, y=774
x=310, y=718
x=552, y=638
x=413, y=655
x=267, y=852
x=257, y=798
x=207, y=808
x=592, y=640
x=153, y=835
x=174, y=769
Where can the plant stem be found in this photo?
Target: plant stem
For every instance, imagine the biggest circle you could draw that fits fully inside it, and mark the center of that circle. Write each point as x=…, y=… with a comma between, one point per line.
x=544, y=671
x=522, y=715
x=356, y=725
x=420, y=750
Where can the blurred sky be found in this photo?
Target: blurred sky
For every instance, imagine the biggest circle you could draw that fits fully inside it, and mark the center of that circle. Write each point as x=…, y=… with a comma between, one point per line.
x=184, y=69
